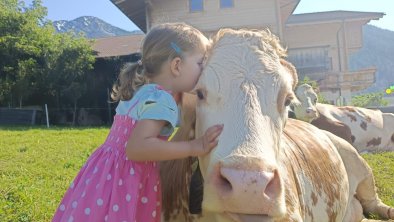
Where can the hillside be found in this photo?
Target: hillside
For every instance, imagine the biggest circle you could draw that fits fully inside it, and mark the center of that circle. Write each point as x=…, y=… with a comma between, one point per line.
x=377, y=50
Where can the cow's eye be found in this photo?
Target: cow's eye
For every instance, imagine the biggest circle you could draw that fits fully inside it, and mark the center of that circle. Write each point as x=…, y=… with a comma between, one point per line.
x=288, y=101
x=200, y=94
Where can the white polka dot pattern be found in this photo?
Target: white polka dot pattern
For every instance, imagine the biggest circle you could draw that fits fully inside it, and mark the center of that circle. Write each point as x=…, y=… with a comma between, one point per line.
x=128, y=197
x=110, y=184
x=99, y=202
x=62, y=207
x=74, y=204
x=115, y=208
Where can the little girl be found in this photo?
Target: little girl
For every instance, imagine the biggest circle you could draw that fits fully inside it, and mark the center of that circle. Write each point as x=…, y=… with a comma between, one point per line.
x=120, y=180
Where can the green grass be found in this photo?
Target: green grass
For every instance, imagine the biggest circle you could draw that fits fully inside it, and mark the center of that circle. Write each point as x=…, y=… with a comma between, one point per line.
x=38, y=164
x=382, y=165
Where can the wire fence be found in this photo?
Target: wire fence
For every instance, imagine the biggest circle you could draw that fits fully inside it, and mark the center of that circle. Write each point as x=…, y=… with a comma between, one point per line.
x=79, y=116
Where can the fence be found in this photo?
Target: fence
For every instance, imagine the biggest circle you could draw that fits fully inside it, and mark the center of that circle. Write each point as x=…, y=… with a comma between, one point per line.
x=9, y=116
x=81, y=116
x=384, y=109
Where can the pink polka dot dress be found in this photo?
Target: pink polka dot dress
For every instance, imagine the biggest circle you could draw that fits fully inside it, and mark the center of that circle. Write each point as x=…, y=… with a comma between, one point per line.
x=109, y=187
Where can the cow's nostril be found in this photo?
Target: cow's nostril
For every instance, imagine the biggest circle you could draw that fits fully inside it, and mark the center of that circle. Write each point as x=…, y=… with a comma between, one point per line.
x=273, y=187
x=225, y=184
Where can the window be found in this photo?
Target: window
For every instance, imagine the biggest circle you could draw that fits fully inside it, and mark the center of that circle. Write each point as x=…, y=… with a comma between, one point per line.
x=310, y=60
x=196, y=5
x=226, y=3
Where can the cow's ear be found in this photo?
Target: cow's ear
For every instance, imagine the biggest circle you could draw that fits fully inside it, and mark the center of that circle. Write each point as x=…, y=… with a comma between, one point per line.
x=291, y=69
x=187, y=126
x=177, y=97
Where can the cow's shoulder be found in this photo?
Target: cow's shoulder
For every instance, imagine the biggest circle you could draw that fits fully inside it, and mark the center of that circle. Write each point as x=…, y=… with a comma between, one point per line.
x=309, y=140
x=307, y=148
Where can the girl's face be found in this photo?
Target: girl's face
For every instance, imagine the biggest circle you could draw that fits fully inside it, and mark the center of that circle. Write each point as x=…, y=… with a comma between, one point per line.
x=192, y=65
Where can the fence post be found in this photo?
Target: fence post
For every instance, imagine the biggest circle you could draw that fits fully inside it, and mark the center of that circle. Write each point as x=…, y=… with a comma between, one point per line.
x=109, y=106
x=33, y=117
x=46, y=113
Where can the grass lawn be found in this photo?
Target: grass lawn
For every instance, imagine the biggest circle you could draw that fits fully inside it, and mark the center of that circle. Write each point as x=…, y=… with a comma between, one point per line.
x=382, y=165
x=38, y=164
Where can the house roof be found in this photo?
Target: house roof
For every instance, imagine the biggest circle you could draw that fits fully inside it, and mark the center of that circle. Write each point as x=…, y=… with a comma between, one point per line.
x=287, y=8
x=332, y=16
x=117, y=46
x=134, y=10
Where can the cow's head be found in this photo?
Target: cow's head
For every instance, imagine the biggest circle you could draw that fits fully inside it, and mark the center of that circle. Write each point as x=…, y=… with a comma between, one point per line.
x=306, y=109
x=247, y=87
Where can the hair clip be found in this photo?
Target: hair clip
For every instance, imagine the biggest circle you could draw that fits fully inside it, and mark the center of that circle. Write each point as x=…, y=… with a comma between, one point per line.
x=176, y=48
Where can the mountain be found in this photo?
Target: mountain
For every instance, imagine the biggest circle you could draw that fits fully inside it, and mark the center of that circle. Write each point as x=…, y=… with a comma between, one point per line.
x=378, y=51
x=92, y=27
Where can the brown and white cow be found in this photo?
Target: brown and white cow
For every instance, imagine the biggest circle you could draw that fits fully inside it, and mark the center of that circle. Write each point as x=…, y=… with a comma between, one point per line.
x=265, y=167
x=367, y=130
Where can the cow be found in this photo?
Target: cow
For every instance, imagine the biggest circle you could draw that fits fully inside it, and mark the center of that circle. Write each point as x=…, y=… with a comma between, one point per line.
x=367, y=130
x=265, y=167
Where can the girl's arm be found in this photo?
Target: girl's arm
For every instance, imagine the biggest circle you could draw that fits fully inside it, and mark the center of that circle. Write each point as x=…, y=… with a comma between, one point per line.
x=144, y=145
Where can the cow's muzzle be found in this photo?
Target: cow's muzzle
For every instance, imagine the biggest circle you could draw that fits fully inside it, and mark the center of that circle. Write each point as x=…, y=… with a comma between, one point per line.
x=250, y=188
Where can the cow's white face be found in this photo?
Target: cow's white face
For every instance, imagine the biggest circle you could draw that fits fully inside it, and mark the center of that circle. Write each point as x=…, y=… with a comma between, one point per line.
x=245, y=87
x=306, y=109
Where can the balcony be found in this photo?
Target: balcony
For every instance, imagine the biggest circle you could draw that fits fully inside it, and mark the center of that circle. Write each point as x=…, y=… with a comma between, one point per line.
x=360, y=79
x=355, y=80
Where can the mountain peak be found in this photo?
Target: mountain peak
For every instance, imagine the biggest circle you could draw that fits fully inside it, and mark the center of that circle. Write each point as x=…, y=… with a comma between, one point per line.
x=91, y=27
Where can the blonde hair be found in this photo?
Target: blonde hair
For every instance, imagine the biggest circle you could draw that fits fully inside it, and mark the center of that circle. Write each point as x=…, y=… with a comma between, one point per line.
x=163, y=43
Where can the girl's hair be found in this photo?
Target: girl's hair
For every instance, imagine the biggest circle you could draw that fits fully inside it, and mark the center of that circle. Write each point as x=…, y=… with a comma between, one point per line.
x=163, y=43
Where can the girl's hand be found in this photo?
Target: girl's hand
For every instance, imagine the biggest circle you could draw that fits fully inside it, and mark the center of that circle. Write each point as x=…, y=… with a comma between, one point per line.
x=207, y=142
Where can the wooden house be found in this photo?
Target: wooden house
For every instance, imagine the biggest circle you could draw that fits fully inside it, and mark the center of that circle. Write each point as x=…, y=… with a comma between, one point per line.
x=319, y=44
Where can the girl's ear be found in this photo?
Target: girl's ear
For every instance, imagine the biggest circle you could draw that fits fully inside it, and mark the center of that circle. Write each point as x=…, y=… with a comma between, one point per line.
x=175, y=66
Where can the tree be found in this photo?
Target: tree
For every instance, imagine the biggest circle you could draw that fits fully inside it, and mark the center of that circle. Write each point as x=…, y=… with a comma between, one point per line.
x=20, y=47
x=315, y=87
x=73, y=64
x=35, y=61
x=369, y=100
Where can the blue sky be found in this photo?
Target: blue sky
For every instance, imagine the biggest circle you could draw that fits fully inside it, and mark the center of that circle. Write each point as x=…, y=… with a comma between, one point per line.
x=105, y=10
